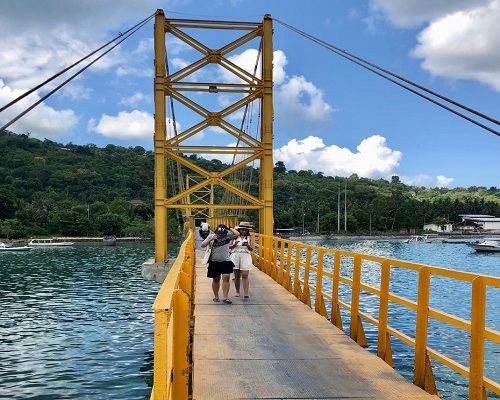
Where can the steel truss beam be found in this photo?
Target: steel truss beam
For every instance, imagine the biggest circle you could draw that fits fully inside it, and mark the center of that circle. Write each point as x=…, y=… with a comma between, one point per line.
x=197, y=198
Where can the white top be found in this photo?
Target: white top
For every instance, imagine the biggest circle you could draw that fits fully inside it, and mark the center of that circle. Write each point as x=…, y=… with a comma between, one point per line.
x=238, y=245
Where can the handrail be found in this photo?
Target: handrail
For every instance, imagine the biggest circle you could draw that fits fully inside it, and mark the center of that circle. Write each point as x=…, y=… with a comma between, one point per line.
x=172, y=327
x=291, y=265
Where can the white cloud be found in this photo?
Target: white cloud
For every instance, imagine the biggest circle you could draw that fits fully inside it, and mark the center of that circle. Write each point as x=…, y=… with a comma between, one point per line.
x=300, y=105
x=373, y=158
x=42, y=121
x=464, y=45
x=145, y=46
x=279, y=64
x=460, y=40
x=176, y=46
x=132, y=71
x=247, y=59
x=135, y=100
x=126, y=125
x=427, y=180
x=137, y=125
x=443, y=181
x=414, y=12
x=76, y=91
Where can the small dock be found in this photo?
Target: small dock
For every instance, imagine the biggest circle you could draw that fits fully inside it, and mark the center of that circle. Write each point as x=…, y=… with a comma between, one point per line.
x=272, y=346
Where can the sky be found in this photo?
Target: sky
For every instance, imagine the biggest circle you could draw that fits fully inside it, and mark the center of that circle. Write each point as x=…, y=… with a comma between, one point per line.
x=330, y=115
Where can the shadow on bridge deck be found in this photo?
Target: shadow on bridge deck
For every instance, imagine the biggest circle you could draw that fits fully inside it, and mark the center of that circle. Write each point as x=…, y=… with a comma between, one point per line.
x=272, y=346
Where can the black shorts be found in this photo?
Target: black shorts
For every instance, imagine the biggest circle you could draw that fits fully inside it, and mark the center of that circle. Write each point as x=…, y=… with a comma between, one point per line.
x=217, y=268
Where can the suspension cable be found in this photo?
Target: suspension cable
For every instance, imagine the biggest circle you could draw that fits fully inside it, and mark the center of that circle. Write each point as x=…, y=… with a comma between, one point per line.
x=124, y=37
x=245, y=112
x=71, y=66
x=365, y=64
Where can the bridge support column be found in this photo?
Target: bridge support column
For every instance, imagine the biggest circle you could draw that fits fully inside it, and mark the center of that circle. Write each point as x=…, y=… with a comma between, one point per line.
x=266, y=219
x=159, y=140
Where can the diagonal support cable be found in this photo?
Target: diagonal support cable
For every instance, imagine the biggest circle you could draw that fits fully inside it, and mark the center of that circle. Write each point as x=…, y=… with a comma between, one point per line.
x=367, y=65
x=137, y=27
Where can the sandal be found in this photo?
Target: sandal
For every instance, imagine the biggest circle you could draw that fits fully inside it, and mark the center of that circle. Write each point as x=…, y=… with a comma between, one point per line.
x=215, y=299
x=247, y=296
x=227, y=301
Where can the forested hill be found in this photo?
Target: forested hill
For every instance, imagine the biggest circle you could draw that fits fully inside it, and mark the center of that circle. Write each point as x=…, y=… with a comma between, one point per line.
x=51, y=188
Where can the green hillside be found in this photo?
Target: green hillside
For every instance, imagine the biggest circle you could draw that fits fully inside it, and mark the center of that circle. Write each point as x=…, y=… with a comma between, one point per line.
x=47, y=188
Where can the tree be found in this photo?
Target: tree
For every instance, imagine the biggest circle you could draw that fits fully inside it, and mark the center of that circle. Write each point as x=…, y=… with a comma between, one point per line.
x=395, y=179
x=329, y=221
x=144, y=212
x=111, y=224
x=12, y=229
x=438, y=221
x=70, y=223
x=279, y=167
x=121, y=207
x=7, y=205
x=140, y=228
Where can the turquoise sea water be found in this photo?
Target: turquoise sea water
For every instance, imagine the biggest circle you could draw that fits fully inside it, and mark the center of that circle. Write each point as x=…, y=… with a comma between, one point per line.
x=76, y=323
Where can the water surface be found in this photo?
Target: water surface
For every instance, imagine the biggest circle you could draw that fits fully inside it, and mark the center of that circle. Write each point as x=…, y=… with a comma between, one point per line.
x=76, y=323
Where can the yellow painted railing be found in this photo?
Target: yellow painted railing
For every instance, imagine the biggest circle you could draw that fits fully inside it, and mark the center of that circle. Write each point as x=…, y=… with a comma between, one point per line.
x=172, y=327
x=361, y=284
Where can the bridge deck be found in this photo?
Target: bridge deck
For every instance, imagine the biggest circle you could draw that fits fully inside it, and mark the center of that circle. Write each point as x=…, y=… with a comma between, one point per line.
x=272, y=346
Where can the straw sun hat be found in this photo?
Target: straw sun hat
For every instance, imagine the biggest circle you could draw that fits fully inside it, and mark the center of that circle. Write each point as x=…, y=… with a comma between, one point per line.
x=244, y=225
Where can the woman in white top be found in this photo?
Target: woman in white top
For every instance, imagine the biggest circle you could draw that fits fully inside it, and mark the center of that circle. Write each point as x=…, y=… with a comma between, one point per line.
x=241, y=248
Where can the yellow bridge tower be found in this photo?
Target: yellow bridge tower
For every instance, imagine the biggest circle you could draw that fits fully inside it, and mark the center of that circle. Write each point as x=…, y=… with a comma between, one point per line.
x=191, y=188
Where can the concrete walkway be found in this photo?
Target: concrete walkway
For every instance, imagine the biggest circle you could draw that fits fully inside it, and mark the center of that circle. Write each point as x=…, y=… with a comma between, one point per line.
x=272, y=346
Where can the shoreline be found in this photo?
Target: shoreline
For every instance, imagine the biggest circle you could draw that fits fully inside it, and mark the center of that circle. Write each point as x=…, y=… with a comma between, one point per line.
x=94, y=239
x=476, y=235
x=81, y=239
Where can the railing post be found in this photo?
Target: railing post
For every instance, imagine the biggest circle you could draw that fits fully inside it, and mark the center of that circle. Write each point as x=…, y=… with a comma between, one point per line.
x=180, y=365
x=281, y=263
x=297, y=291
x=384, y=344
x=320, y=302
x=274, y=260
x=306, y=295
x=265, y=253
x=422, y=375
x=478, y=315
x=336, y=318
x=160, y=362
x=288, y=274
x=356, y=328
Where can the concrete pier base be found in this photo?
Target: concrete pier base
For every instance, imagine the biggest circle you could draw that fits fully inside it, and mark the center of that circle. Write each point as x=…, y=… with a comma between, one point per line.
x=156, y=271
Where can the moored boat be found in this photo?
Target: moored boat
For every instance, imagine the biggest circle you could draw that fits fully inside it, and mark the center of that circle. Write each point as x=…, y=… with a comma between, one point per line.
x=428, y=238
x=48, y=243
x=4, y=247
x=486, y=246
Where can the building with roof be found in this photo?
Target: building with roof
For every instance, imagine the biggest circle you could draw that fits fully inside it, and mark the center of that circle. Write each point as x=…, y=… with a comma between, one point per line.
x=443, y=228
x=478, y=221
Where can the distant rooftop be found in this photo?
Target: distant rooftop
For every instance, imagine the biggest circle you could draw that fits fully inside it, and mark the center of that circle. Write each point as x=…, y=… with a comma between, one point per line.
x=476, y=216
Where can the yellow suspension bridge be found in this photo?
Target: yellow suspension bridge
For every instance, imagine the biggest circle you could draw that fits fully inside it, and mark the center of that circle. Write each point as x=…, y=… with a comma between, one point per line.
x=288, y=340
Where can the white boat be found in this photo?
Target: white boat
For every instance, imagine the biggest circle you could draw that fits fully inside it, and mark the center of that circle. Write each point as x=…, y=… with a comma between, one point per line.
x=487, y=245
x=48, y=243
x=428, y=238
x=4, y=247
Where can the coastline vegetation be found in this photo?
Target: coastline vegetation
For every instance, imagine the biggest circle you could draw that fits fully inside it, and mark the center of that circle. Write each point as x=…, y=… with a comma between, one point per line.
x=47, y=189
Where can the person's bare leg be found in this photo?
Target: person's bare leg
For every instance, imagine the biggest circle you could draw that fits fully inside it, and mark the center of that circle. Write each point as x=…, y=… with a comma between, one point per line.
x=246, y=283
x=215, y=287
x=237, y=281
x=225, y=287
